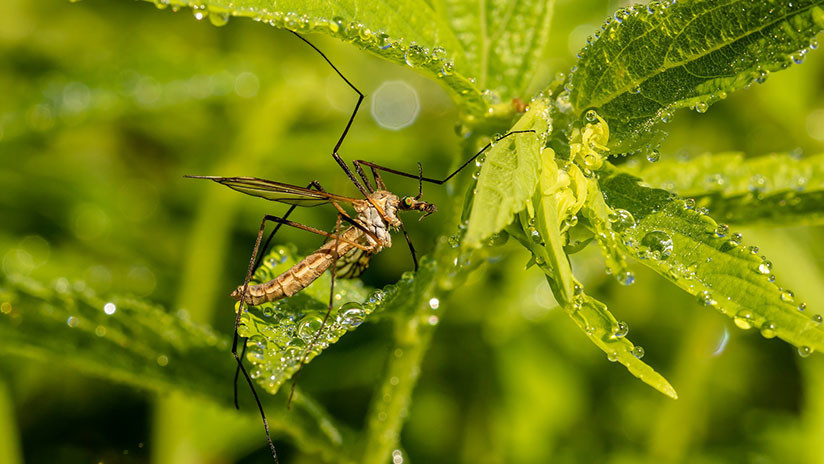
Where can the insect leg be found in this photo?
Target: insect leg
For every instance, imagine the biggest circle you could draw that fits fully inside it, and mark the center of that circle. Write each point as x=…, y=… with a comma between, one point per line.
x=317, y=186
x=411, y=247
x=235, y=339
x=308, y=349
x=437, y=181
x=335, y=155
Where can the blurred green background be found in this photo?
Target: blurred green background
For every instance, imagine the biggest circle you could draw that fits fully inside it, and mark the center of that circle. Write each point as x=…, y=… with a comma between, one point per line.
x=106, y=104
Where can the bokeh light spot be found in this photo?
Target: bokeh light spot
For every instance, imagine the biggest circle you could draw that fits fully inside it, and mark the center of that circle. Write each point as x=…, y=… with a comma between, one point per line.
x=395, y=105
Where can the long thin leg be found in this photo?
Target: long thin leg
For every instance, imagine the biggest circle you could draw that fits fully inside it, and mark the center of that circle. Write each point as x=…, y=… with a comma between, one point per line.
x=241, y=308
x=363, y=188
x=436, y=181
x=333, y=270
x=335, y=155
x=238, y=359
x=317, y=186
x=411, y=247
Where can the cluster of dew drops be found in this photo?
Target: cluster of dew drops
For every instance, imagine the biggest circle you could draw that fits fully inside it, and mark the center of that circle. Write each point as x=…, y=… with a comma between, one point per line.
x=414, y=55
x=279, y=337
x=759, y=74
x=658, y=245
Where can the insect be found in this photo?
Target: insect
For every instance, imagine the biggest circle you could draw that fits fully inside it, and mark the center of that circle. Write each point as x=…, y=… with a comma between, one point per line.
x=347, y=251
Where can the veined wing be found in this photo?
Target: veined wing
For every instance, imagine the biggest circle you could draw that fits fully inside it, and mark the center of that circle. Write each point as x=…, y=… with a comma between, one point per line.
x=352, y=264
x=277, y=191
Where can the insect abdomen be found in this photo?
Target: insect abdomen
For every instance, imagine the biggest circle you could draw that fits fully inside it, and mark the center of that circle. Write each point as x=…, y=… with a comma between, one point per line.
x=299, y=276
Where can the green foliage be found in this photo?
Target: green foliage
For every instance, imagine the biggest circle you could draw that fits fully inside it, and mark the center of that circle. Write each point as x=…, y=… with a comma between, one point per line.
x=775, y=189
x=555, y=192
x=709, y=261
x=650, y=61
x=469, y=50
x=141, y=345
x=512, y=169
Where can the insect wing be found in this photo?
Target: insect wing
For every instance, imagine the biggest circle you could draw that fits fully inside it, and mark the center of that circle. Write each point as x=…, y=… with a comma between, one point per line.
x=352, y=264
x=277, y=191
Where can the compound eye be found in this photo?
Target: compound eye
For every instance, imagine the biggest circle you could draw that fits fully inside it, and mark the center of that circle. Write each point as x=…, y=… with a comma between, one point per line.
x=407, y=201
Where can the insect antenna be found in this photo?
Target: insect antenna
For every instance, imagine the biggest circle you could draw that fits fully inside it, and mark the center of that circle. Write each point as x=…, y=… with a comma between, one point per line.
x=421, y=178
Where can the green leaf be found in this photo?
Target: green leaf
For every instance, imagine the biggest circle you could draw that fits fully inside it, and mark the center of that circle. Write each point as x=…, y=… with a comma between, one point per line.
x=502, y=41
x=129, y=341
x=777, y=189
x=280, y=332
x=651, y=61
x=708, y=261
x=402, y=31
x=508, y=176
x=589, y=314
x=593, y=317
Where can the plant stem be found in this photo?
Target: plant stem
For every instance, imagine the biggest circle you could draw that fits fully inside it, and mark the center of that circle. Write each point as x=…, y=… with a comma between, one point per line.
x=9, y=437
x=390, y=405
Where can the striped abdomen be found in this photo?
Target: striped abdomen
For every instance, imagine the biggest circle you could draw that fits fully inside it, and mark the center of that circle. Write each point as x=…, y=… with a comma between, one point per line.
x=299, y=276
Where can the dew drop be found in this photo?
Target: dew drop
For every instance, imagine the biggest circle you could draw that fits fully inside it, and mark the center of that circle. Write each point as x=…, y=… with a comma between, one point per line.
x=571, y=221
x=765, y=267
x=255, y=352
x=534, y=235
x=701, y=107
x=219, y=18
x=638, y=351
x=162, y=360
x=787, y=295
x=621, y=220
x=351, y=316
x=308, y=327
x=448, y=68
x=768, y=329
x=722, y=230
x=802, y=306
x=743, y=319
x=804, y=351
x=653, y=156
x=415, y=56
x=659, y=243
x=706, y=299
x=818, y=319
x=336, y=24
x=434, y=303
x=621, y=330
x=625, y=278
x=72, y=321
x=591, y=116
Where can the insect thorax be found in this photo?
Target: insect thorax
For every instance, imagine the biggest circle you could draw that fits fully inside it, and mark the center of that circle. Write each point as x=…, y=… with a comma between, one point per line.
x=371, y=220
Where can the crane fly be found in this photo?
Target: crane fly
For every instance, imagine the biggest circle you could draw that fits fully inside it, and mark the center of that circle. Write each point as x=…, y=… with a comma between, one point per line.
x=347, y=251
